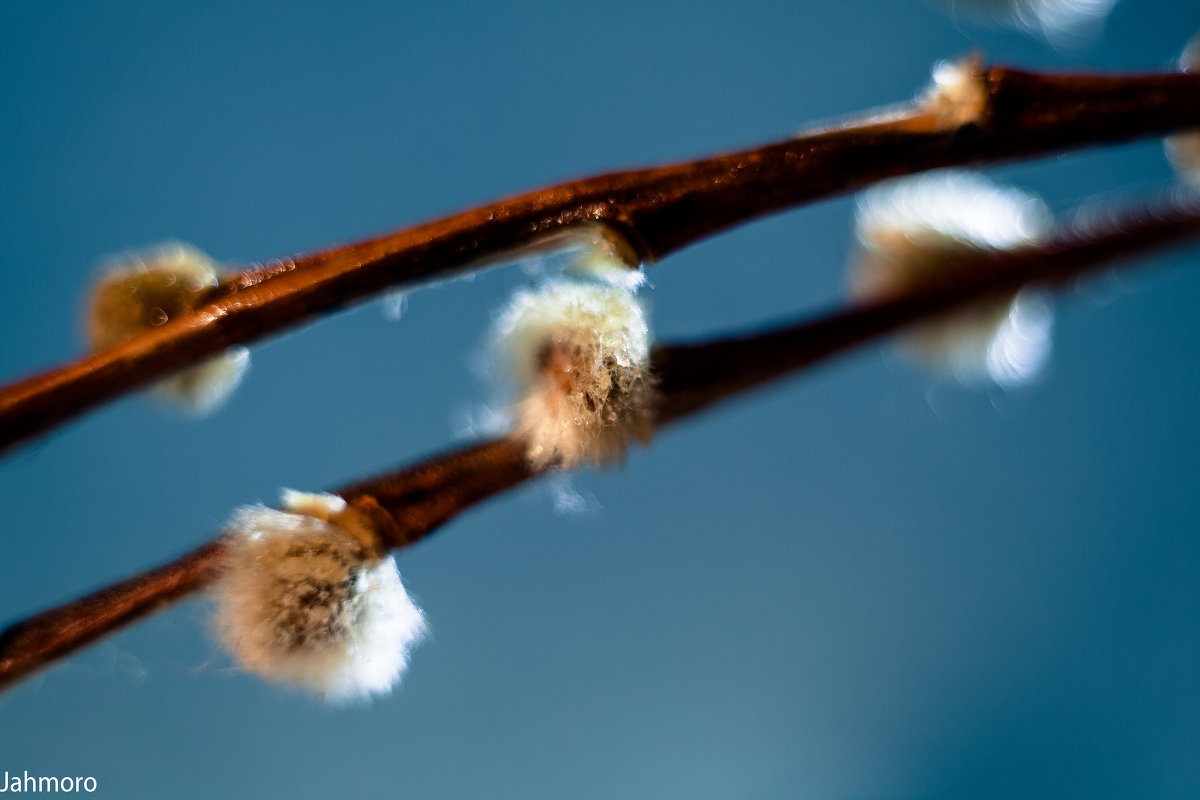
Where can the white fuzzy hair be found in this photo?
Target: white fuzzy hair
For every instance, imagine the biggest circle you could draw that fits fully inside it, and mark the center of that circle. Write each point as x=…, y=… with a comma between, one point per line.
x=912, y=230
x=306, y=599
x=142, y=290
x=578, y=357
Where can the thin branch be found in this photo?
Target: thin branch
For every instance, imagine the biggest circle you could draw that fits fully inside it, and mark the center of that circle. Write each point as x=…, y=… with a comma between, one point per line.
x=703, y=374
x=53, y=634
x=411, y=503
x=659, y=210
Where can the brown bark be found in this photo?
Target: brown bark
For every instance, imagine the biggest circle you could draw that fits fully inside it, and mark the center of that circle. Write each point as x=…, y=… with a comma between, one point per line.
x=659, y=211
x=411, y=503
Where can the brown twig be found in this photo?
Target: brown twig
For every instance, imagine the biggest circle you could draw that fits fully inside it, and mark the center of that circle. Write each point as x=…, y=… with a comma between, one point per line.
x=411, y=503
x=659, y=210
x=53, y=634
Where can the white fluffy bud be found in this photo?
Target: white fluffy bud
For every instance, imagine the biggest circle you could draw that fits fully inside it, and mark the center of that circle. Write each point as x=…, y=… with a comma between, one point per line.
x=578, y=355
x=912, y=230
x=308, y=599
x=959, y=93
x=143, y=291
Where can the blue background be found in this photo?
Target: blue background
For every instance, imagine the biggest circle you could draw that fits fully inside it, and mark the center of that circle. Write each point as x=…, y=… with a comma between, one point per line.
x=859, y=584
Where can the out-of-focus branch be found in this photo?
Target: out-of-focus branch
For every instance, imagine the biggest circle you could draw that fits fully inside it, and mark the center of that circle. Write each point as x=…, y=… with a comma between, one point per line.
x=659, y=210
x=411, y=503
x=705, y=373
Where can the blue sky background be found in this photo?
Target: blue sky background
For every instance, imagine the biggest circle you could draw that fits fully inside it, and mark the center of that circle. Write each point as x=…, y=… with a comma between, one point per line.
x=860, y=584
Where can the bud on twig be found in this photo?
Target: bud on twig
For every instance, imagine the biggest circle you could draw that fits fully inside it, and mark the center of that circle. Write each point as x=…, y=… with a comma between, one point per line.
x=912, y=235
x=310, y=597
x=578, y=356
x=142, y=291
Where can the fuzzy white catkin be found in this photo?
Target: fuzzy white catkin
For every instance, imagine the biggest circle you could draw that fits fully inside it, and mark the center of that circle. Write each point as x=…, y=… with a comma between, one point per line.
x=140, y=291
x=912, y=230
x=1183, y=149
x=306, y=599
x=578, y=356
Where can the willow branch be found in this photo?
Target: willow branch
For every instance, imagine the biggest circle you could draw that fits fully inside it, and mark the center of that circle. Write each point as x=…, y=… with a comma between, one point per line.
x=413, y=502
x=659, y=210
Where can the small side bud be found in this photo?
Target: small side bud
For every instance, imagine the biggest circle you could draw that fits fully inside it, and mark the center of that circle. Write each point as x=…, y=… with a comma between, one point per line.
x=142, y=291
x=605, y=255
x=912, y=231
x=593, y=251
x=578, y=354
x=1183, y=149
x=959, y=93
x=310, y=597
